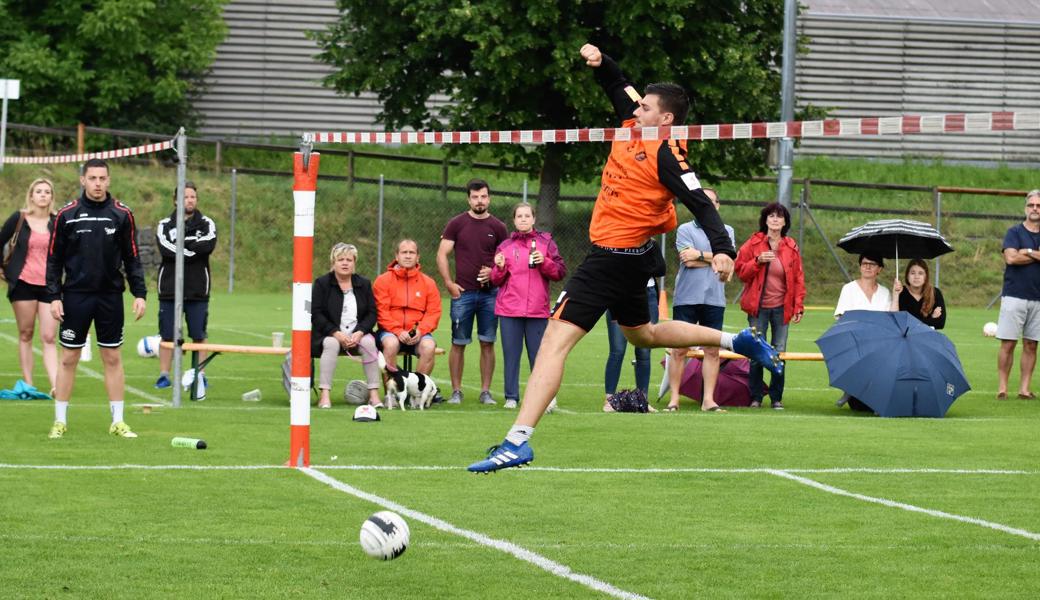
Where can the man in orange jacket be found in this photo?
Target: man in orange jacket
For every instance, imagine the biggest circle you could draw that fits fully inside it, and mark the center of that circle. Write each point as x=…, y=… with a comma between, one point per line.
x=408, y=308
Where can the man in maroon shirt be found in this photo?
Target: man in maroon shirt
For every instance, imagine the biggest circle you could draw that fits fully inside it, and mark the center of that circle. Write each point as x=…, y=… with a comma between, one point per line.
x=472, y=236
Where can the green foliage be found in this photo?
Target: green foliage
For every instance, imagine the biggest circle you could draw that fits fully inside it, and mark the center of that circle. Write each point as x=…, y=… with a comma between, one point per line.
x=130, y=64
x=506, y=64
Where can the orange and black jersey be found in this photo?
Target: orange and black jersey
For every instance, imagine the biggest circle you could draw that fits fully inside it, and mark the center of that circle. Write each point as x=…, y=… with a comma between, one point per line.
x=640, y=180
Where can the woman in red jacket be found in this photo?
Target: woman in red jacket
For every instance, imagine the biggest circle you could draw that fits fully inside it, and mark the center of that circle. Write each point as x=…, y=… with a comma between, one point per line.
x=770, y=266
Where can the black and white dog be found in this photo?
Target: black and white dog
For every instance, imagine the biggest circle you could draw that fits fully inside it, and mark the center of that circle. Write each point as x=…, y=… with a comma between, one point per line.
x=407, y=386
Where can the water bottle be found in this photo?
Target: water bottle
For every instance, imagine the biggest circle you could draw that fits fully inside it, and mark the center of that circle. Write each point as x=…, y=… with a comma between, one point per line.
x=184, y=442
x=530, y=256
x=251, y=396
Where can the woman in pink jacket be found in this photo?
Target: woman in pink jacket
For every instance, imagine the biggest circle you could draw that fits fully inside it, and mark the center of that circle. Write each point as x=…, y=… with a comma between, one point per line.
x=524, y=266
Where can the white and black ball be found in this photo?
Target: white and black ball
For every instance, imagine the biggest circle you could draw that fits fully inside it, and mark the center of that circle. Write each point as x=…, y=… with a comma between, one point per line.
x=384, y=535
x=148, y=346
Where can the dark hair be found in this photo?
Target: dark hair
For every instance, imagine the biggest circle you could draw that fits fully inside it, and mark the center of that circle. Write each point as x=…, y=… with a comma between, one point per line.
x=474, y=185
x=774, y=208
x=874, y=257
x=673, y=99
x=927, y=290
x=187, y=184
x=93, y=163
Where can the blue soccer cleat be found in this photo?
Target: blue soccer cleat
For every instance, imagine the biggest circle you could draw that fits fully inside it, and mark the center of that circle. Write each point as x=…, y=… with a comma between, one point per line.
x=504, y=456
x=162, y=382
x=751, y=345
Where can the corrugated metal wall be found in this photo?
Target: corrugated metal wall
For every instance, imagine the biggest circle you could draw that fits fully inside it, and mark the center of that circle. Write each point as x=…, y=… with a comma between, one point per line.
x=265, y=80
x=861, y=67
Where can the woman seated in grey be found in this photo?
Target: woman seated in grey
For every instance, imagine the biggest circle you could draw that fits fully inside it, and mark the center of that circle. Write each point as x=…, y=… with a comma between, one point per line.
x=343, y=313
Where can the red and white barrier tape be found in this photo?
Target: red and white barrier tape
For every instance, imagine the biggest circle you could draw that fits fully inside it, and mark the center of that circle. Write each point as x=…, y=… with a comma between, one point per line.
x=106, y=154
x=903, y=125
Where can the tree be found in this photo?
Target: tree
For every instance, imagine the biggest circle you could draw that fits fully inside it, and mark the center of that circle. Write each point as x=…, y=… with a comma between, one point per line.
x=514, y=64
x=132, y=64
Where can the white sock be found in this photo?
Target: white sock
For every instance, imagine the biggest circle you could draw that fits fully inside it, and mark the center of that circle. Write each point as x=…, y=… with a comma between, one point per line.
x=518, y=434
x=117, y=410
x=726, y=343
x=61, y=411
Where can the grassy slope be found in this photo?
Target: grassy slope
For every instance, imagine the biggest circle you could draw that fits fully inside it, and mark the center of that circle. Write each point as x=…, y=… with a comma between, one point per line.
x=970, y=276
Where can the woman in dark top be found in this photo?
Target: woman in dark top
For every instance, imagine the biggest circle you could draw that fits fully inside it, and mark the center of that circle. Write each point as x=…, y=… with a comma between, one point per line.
x=343, y=313
x=919, y=297
x=24, y=238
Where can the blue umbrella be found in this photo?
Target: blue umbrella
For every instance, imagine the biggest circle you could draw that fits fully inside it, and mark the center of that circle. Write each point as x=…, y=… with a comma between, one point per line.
x=894, y=363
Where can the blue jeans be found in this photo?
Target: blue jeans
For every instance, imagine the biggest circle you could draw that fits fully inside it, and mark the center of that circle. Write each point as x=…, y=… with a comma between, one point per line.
x=472, y=303
x=768, y=318
x=618, y=345
x=515, y=330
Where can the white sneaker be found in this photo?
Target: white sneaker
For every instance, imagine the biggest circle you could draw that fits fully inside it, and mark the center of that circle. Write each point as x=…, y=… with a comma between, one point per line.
x=551, y=407
x=510, y=403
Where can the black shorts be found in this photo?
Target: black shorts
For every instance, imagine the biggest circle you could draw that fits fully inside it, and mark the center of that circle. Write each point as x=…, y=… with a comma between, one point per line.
x=105, y=310
x=22, y=291
x=610, y=278
x=196, y=313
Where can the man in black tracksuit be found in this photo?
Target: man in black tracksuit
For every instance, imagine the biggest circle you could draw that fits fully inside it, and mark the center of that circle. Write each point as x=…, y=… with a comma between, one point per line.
x=200, y=238
x=94, y=237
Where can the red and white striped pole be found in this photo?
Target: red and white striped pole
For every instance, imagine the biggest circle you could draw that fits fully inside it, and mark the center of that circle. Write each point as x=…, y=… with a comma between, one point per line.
x=305, y=184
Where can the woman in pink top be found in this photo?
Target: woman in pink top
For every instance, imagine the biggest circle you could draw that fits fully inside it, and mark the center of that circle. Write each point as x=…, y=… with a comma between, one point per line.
x=524, y=265
x=24, y=238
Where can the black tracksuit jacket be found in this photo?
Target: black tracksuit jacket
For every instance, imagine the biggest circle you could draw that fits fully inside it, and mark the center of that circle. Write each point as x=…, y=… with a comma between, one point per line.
x=92, y=245
x=200, y=238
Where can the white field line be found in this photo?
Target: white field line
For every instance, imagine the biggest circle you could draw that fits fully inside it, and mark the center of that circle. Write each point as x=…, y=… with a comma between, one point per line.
x=93, y=374
x=909, y=507
x=575, y=470
x=510, y=548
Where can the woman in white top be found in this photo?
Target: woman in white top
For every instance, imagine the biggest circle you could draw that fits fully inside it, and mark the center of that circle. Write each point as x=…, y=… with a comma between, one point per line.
x=865, y=293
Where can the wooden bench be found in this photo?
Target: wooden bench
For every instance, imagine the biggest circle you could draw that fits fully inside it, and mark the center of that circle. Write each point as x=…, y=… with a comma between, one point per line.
x=216, y=350
x=697, y=353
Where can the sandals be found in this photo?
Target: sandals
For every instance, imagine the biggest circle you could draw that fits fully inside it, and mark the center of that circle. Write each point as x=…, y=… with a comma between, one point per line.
x=1027, y=396
x=671, y=408
x=715, y=408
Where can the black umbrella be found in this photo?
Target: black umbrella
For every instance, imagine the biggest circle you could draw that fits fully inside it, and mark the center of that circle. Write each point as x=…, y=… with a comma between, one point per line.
x=892, y=238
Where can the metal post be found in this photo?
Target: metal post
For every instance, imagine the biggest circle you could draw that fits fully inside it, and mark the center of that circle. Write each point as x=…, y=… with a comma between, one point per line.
x=664, y=256
x=444, y=180
x=827, y=243
x=12, y=91
x=218, y=155
x=350, y=171
x=379, y=230
x=801, y=214
x=178, y=268
x=937, y=200
x=231, y=242
x=786, y=146
x=525, y=190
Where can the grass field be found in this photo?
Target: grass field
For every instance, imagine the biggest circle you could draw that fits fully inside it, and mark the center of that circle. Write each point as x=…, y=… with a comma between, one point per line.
x=809, y=502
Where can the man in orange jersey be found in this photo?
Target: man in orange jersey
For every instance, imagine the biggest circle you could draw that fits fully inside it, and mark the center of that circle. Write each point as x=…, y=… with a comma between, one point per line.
x=639, y=182
x=408, y=308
